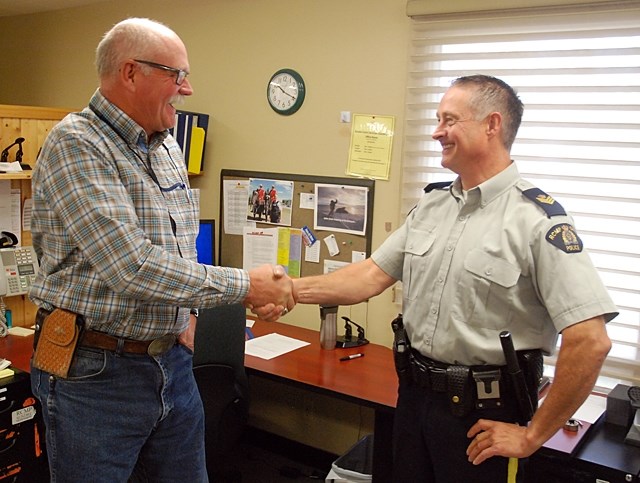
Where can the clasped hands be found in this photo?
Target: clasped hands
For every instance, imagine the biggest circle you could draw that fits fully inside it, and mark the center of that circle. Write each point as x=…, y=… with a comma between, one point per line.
x=271, y=292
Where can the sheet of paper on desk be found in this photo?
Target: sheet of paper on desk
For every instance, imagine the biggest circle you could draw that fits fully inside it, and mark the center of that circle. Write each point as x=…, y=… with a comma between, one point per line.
x=20, y=331
x=590, y=410
x=272, y=345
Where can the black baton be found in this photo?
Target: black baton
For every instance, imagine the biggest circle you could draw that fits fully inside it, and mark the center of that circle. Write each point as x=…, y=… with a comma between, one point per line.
x=517, y=377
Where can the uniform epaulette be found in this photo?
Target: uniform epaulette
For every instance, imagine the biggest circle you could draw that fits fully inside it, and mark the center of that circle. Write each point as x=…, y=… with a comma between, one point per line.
x=550, y=206
x=437, y=186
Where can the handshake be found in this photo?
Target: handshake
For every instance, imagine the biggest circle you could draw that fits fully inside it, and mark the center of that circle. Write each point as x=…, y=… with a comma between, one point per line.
x=271, y=292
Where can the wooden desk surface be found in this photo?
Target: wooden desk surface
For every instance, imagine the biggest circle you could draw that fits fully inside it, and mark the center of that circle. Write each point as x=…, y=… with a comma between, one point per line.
x=370, y=380
x=18, y=350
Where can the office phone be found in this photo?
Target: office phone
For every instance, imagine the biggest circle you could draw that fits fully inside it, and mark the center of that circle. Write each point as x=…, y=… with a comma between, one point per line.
x=18, y=270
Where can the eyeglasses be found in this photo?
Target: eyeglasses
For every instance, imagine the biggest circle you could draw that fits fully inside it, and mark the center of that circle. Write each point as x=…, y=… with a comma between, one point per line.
x=181, y=75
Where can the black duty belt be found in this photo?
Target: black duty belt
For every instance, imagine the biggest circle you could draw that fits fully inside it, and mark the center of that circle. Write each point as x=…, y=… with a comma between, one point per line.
x=101, y=340
x=428, y=373
x=482, y=387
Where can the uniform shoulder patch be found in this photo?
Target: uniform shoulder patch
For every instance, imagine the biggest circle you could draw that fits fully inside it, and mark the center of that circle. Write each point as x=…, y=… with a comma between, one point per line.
x=550, y=206
x=437, y=186
x=564, y=237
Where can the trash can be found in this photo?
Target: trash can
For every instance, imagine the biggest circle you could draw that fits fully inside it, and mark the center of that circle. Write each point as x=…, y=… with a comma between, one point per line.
x=356, y=465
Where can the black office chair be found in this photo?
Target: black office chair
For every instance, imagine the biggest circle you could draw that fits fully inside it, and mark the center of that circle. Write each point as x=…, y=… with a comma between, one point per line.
x=218, y=367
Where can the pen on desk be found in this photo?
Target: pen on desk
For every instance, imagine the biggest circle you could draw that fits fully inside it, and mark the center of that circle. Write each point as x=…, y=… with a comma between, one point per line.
x=352, y=356
x=248, y=334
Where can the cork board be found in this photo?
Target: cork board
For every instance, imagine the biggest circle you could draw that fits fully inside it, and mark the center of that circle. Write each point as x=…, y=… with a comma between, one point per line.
x=302, y=186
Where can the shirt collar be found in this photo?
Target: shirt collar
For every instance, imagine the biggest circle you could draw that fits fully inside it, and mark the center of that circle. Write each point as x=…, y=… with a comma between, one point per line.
x=129, y=130
x=486, y=192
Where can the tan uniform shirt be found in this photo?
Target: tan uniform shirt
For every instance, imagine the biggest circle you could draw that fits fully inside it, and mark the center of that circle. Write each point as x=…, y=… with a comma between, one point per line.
x=474, y=264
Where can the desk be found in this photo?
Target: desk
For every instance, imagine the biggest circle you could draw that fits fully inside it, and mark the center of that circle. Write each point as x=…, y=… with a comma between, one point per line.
x=314, y=369
x=602, y=457
x=18, y=350
x=368, y=381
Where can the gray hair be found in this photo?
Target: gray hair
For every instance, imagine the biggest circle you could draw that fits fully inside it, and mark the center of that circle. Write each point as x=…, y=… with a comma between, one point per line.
x=494, y=95
x=133, y=38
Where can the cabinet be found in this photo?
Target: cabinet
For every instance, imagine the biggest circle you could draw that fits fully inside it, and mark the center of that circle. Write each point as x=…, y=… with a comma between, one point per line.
x=33, y=124
x=22, y=453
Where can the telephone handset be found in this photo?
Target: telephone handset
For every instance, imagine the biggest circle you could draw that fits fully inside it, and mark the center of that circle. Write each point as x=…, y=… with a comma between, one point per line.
x=18, y=270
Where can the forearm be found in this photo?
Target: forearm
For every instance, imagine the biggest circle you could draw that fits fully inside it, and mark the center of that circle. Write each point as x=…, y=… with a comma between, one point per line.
x=349, y=285
x=579, y=362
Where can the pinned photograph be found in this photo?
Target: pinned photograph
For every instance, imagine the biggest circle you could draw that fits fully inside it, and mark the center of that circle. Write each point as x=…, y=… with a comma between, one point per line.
x=270, y=201
x=341, y=208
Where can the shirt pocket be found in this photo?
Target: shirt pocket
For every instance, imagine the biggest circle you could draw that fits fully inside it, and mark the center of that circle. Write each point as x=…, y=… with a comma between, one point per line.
x=419, y=242
x=184, y=207
x=488, y=286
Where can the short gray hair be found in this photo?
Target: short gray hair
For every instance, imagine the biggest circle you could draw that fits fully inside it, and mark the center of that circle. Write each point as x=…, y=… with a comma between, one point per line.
x=133, y=38
x=494, y=95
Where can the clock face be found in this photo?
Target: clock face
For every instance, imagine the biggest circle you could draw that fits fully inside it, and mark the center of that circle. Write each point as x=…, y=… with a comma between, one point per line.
x=286, y=91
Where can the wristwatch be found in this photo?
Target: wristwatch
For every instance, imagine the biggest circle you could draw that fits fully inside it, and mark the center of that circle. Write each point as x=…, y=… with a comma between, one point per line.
x=195, y=312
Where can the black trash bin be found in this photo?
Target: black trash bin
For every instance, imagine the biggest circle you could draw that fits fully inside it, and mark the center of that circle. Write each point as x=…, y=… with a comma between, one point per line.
x=356, y=465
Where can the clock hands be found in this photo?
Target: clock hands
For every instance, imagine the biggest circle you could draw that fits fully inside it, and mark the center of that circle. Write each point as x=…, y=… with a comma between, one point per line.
x=283, y=91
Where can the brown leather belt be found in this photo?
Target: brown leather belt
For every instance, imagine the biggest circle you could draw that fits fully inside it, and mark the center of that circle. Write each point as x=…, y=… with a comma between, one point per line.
x=100, y=340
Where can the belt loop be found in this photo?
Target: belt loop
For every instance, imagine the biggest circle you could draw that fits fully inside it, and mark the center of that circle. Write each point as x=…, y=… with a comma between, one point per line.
x=120, y=346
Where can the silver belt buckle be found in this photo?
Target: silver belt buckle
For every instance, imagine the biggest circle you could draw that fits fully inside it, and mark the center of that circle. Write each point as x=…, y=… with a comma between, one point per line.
x=161, y=345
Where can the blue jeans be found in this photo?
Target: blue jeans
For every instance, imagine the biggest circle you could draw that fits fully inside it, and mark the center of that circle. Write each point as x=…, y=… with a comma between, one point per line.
x=121, y=415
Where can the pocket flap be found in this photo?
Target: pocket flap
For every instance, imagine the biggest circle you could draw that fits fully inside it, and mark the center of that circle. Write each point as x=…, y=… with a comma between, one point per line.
x=60, y=327
x=419, y=241
x=491, y=268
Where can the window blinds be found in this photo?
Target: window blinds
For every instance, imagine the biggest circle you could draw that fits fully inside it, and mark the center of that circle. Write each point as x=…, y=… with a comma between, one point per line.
x=578, y=73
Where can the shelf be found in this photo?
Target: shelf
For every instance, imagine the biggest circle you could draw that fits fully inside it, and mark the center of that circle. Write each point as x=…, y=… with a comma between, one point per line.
x=20, y=175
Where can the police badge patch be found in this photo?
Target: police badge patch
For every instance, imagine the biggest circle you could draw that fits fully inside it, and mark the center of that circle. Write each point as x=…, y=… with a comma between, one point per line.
x=564, y=237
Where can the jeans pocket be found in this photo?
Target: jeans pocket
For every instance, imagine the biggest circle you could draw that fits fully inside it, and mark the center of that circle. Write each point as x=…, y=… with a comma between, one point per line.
x=87, y=363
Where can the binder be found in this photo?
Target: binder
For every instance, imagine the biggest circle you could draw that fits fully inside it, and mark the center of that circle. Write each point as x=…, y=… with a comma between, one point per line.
x=190, y=132
x=196, y=150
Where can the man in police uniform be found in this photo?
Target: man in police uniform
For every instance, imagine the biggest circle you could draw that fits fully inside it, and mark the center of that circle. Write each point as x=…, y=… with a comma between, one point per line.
x=485, y=254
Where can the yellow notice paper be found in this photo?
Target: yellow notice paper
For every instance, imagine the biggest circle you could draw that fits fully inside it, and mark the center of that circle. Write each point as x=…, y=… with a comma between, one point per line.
x=370, y=149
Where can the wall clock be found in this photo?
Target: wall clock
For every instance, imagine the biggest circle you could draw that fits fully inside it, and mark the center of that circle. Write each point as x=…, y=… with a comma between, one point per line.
x=286, y=91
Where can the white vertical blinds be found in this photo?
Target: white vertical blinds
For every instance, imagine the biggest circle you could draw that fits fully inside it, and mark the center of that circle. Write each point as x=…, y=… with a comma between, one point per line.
x=578, y=73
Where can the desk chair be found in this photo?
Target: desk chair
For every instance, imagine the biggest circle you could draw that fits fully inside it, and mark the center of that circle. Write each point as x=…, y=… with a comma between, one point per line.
x=218, y=367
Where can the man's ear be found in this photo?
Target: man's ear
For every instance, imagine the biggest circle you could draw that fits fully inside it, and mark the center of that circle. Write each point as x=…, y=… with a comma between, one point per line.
x=127, y=72
x=494, y=124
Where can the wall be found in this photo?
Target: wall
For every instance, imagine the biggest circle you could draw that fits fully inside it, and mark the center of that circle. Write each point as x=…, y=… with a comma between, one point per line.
x=352, y=55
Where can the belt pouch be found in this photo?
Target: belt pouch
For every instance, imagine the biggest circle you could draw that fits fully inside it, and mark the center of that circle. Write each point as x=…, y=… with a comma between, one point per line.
x=402, y=355
x=459, y=390
x=59, y=336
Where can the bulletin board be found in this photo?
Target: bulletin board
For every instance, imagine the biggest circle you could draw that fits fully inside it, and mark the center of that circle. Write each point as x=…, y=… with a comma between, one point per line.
x=231, y=245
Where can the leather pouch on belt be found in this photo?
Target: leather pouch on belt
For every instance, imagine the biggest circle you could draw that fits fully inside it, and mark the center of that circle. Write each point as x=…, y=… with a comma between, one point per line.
x=459, y=390
x=57, y=342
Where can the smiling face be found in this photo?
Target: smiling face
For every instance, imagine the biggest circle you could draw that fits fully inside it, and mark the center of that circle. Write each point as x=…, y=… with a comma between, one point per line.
x=138, y=62
x=156, y=90
x=462, y=137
